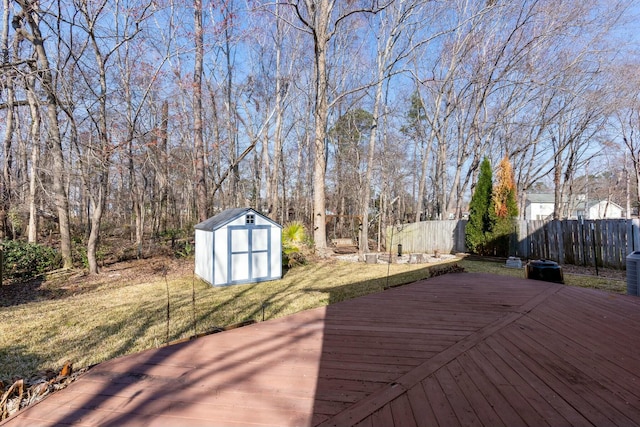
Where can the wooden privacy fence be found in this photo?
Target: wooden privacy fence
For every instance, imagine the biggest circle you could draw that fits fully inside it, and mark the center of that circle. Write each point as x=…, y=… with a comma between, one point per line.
x=428, y=236
x=581, y=242
x=565, y=241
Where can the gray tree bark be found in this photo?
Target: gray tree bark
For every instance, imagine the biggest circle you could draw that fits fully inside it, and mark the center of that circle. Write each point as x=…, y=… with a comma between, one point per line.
x=54, y=141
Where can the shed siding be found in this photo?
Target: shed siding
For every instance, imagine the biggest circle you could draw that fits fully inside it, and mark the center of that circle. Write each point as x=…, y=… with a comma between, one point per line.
x=220, y=252
x=260, y=239
x=262, y=221
x=260, y=266
x=240, y=240
x=204, y=261
x=260, y=254
x=276, y=252
x=239, y=268
x=241, y=220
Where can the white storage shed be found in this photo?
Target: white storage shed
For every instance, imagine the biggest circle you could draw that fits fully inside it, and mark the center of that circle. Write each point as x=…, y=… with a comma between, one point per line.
x=238, y=246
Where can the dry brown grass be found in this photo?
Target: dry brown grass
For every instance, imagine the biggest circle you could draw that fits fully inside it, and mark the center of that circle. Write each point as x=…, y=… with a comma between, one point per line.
x=117, y=313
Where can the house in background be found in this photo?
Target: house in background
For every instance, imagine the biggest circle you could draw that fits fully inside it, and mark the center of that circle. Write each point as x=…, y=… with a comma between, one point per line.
x=602, y=209
x=539, y=206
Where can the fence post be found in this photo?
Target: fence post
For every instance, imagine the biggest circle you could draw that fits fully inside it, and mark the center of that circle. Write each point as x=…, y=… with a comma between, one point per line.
x=633, y=237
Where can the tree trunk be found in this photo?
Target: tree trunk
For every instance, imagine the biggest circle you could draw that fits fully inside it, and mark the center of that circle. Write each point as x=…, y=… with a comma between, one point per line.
x=272, y=185
x=557, y=190
x=268, y=172
x=201, y=185
x=627, y=179
x=234, y=180
x=5, y=192
x=35, y=155
x=163, y=167
x=321, y=36
x=96, y=218
x=54, y=141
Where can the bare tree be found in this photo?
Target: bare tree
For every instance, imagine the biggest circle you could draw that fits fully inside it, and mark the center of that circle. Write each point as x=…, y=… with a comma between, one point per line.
x=198, y=142
x=9, y=107
x=628, y=120
x=97, y=165
x=318, y=19
x=34, y=109
x=395, y=20
x=28, y=26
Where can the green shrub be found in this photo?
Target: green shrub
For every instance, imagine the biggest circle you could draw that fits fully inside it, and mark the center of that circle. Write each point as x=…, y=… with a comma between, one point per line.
x=23, y=260
x=184, y=249
x=294, y=237
x=294, y=234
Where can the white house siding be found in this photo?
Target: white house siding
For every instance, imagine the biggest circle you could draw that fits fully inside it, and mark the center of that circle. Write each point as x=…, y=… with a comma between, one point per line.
x=540, y=207
x=603, y=210
x=538, y=211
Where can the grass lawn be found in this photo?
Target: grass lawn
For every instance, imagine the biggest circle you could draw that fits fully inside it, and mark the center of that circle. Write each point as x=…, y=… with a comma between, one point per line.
x=110, y=320
x=605, y=282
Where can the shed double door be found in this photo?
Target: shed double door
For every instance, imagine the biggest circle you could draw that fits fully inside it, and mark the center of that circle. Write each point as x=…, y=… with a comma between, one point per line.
x=250, y=254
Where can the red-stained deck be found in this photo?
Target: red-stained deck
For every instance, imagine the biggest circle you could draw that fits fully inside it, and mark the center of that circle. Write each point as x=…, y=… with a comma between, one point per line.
x=460, y=349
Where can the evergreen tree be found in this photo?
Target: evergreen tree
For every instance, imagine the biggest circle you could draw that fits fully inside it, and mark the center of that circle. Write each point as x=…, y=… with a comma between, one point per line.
x=479, y=226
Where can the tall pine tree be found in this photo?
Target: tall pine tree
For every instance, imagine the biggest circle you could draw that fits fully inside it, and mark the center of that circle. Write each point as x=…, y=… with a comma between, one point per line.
x=479, y=227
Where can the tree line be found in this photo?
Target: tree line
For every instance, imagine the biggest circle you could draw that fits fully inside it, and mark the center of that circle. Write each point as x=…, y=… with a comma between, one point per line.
x=145, y=117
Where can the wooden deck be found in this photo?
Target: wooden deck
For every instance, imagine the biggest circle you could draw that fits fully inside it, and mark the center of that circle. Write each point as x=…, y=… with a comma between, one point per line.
x=461, y=349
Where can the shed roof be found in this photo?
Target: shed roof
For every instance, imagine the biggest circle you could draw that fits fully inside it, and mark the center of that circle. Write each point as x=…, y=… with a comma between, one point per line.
x=226, y=216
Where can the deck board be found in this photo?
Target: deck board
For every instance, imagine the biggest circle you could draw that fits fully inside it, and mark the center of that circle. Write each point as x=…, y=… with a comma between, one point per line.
x=457, y=400
x=402, y=413
x=459, y=349
x=474, y=396
x=421, y=407
x=495, y=399
x=441, y=406
x=508, y=385
x=562, y=397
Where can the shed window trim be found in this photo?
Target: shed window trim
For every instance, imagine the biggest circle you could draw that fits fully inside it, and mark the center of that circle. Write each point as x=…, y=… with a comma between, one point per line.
x=250, y=219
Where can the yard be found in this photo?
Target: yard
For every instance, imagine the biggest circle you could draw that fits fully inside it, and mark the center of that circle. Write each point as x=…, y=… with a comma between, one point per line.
x=89, y=319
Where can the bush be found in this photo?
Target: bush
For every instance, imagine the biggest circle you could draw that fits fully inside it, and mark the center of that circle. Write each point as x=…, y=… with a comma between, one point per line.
x=294, y=234
x=291, y=256
x=23, y=260
x=294, y=238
